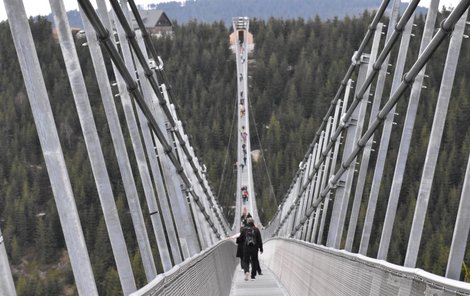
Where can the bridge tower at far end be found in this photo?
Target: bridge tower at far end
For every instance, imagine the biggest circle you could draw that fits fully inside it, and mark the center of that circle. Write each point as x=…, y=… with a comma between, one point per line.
x=240, y=33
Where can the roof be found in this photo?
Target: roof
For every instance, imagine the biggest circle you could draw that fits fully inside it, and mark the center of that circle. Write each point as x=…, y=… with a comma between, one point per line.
x=153, y=18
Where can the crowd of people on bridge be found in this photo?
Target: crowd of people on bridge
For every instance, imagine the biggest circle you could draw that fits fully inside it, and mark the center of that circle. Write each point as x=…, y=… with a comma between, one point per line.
x=249, y=241
x=249, y=244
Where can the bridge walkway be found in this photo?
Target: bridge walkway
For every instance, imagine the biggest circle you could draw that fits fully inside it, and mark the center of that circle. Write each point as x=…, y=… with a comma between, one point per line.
x=264, y=285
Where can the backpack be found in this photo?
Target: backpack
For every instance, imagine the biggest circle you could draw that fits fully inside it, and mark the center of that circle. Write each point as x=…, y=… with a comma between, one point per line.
x=250, y=237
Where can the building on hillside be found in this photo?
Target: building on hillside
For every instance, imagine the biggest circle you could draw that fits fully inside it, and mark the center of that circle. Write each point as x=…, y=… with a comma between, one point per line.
x=156, y=22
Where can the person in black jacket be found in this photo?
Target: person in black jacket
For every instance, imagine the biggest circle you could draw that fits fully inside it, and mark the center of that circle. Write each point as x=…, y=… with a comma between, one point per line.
x=240, y=249
x=250, y=238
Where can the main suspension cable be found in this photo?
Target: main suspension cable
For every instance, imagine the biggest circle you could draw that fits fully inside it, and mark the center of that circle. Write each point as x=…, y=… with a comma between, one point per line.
x=262, y=153
x=227, y=150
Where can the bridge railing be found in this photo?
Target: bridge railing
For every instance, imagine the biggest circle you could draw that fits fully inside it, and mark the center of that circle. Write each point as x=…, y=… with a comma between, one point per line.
x=326, y=192
x=207, y=273
x=184, y=215
x=308, y=269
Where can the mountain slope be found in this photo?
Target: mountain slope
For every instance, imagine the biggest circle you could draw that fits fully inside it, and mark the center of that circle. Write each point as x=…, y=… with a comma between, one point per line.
x=209, y=11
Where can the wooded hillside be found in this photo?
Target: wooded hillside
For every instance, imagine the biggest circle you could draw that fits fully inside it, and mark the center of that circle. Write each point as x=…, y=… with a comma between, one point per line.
x=296, y=69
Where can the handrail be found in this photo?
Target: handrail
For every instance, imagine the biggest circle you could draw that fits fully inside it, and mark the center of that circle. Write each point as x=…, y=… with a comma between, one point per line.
x=209, y=272
x=302, y=268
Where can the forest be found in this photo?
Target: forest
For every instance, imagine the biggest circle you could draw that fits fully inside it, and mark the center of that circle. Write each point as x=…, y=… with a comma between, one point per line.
x=208, y=11
x=295, y=70
x=215, y=10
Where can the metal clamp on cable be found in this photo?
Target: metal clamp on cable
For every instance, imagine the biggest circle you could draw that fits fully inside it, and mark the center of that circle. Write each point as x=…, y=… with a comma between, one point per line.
x=354, y=59
x=103, y=36
x=446, y=30
x=130, y=35
x=342, y=121
x=188, y=188
x=169, y=127
x=152, y=64
x=407, y=80
x=179, y=170
x=330, y=182
x=162, y=87
x=168, y=150
x=160, y=63
x=131, y=88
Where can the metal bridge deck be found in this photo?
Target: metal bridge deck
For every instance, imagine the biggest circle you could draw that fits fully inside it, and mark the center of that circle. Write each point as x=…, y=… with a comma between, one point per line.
x=265, y=284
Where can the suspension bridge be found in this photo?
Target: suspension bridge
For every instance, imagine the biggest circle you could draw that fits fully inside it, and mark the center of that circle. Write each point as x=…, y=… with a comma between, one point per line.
x=306, y=248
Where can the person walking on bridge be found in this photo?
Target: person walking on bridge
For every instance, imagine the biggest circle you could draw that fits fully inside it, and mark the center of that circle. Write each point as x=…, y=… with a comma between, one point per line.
x=250, y=237
x=240, y=249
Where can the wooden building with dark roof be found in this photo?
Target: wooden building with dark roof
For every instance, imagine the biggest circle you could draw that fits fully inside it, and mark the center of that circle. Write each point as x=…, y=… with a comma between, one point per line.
x=156, y=22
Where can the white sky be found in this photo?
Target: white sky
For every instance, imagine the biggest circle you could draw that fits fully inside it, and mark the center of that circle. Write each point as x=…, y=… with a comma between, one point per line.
x=42, y=7
x=35, y=7
x=447, y=3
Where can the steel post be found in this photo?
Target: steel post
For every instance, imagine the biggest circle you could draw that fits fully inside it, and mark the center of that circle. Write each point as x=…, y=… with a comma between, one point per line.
x=361, y=178
x=50, y=145
x=406, y=138
x=7, y=286
x=95, y=154
x=384, y=141
x=354, y=130
x=159, y=229
x=460, y=236
x=435, y=141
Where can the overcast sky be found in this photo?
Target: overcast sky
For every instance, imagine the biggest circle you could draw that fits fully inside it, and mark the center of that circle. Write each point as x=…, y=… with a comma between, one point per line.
x=35, y=7
x=42, y=7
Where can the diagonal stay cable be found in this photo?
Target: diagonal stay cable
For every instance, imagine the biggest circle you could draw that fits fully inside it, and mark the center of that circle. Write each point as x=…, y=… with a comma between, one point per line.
x=354, y=63
x=148, y=42
x=161, y=76
x=368, y=81
x=131, y=36
x=105, y=41
x=273, y=195
x=228, y=146
x=445, y=30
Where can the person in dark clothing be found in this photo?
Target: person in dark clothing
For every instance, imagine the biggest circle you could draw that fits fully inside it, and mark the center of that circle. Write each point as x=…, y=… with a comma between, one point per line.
x=240, y=249
x=248, y=215
x=258, y=267
x=250, y=237
x=243, y=218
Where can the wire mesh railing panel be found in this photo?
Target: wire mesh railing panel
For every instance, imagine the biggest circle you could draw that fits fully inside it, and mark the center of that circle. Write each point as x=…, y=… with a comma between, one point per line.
x=208, y=273
x=308, y=269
